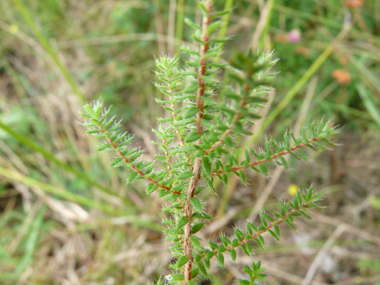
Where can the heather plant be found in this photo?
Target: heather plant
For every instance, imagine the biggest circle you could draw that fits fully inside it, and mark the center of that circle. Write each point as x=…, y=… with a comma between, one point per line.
x=199, y=139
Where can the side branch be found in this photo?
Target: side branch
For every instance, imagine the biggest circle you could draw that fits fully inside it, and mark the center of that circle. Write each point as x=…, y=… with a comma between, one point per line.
x=271, y=225
x=267, y=228
x=179, y=138
x=274, y=156
x=126, y=160
x=230, y=129
x=168, y=162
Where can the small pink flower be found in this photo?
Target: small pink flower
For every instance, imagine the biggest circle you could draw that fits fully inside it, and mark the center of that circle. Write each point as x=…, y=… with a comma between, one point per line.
x=294, y=36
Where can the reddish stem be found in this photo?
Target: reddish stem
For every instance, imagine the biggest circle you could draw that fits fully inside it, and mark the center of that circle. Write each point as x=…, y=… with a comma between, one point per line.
x=230, y=129
x=197, y=163
x=271, y=225
x=272, y=156
x=126, y=160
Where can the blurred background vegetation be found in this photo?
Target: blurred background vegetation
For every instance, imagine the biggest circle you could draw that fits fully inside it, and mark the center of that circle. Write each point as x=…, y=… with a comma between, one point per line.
x=69, y=218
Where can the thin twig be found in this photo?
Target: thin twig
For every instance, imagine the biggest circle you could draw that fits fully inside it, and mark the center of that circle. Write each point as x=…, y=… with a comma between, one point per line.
x=168, y=161
x=232, y=126
x=139, y=172
x=267, y=228
x=172, y=105
x=279, y=169
x=274, y=156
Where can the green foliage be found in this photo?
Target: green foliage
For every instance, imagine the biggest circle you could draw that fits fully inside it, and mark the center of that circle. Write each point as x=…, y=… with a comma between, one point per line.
x=122, y=44
x=206, y=121
x=256, y=272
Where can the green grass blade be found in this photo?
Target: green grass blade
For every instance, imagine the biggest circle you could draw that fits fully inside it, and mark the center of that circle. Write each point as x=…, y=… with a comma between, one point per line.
x=31, y=243
x=369, y=103
x=51, y=157
x=301, y=82
x=44, y=42
x=57, y=191
x=225, y=19
x=179, y=23
x=366, y=74
x=264, y=34
x=310, y=17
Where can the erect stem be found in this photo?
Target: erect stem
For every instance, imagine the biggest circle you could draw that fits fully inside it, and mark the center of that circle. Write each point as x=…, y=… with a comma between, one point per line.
x=203, y=66
x=197, y=163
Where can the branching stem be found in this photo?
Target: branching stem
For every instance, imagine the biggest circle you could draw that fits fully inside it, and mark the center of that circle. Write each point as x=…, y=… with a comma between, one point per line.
x=126, y=160
x=168, y=161
x=197, y=163
x=230, y=129
x=274, y=156
x=267, y=228
x=179, y=138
